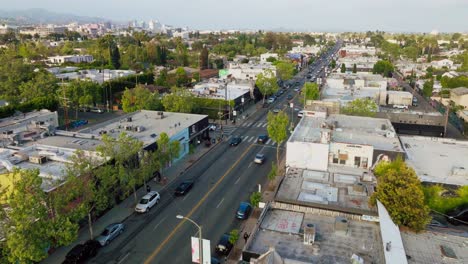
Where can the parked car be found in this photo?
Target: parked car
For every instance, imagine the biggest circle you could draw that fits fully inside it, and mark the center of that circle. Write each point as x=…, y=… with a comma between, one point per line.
x=259, y=158
x=399, y=106
x=271, y=100
x=290, y=96
x=84, y=109
x=147, y=201
x=110, y=233
x=212, y=127
x=297, y=89
x=244, y=211
x=184, y=187
x=82, y=252
x=236, y=140
x=224, y=246
x=300, y=114
x=97, y=110
x=276, y=110
x=458, y=216
x=262, y=139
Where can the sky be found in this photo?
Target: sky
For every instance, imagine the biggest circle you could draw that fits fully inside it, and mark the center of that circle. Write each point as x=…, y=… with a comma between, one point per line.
x=306, y=15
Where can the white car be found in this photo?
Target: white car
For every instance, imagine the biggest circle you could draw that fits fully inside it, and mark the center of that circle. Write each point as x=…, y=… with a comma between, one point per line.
x=300, y=114
x=398, y=106
x=147, y=201
x=212, y=127
x=97, y=110
x=259, y=158
x=270, y=100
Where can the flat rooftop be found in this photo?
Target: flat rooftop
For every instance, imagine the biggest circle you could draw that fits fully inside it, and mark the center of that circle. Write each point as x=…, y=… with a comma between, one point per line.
x=217, y=89
x=284, y=230
x=435, y=247
x=339, y=188
x=144, y=125
x=330, y=93
x=26, y=118
x=69, y=140
x=357, y=76
x=376, y=132
x=437, y=160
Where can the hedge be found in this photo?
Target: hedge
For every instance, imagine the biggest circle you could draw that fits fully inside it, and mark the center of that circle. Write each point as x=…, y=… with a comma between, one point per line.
x=35, y=104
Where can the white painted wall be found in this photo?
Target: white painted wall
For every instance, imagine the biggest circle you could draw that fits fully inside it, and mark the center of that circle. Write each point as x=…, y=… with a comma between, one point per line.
x=307, y=155
x=352, y=151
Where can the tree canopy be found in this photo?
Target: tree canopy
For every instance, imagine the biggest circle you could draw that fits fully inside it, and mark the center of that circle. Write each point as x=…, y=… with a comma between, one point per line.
x=360, y=107
x=428, y=87
x=179, y=100
x=399, y=190
x=277, y=128
x=267, y=83
x=140, y=98
x=383, y=67
x=285, y=70
x=311, y=91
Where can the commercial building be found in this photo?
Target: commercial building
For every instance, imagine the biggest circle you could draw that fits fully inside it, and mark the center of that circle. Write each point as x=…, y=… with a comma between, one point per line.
x=437, y=160
x=363, y=64
x=95, y=75
x=146, y=126
x=309, y=50
x=249, y=71
x=42, y=31
x=71, y=59
x=351, y=50
x=415, y=122
x=459, y=96
x=344, y=88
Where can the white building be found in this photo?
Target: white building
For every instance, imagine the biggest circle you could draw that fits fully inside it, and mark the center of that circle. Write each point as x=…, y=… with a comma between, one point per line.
x=437, y=160
x=442, y=63
x=320, y=141
x=265, y=56
x=363, y=64
x=344, y=88
x=312, y=50
x=249, y=71
x=95, y=75
x=220, y=89
x=185, y=35
x=70, y=58
x=352, y=50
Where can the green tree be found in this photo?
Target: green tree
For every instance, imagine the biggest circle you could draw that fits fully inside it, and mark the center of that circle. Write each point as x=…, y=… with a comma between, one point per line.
x=181, y=77
x=273, y=172
x=181, y=54
x=267, y=83
x=124, y=152
x=311, y=91
x=29, y=225
x=360, y=107
x=204, y=62
x=79, y=92
x=383, y=67
x=255, y=198
x=333, y=64
x=285, y=70
x=140, y=98
x=400, y=191
x=277, y=128
x=233, y=236
x=411, y=52
x=114, y=55
x=179, y=100
x=167, y=150
x=43, y=84
x=343, y=68
x=428, y=87
x=354, y=68
x=162, y=78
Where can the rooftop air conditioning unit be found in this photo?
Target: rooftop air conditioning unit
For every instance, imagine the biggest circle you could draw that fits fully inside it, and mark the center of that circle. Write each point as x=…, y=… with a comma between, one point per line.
x=38, y=159
x=140, y=128
x=8, y=132
x=309, y=234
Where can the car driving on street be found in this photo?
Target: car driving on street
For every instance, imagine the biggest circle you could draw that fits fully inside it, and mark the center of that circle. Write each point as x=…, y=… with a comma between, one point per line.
x=147, y=201
x=236, y=140
x=110, y=233
x=184, y=187
x=259, y=158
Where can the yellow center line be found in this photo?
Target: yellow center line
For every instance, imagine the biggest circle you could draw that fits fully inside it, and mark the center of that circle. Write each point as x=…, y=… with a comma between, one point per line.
x=160, y=247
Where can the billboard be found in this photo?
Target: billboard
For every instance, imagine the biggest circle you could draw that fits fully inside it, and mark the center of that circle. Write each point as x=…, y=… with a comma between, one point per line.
x=196, y=251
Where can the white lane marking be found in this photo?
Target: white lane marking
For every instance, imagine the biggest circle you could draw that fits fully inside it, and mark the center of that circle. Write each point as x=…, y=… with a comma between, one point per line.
x=251, y=139
x=268, y=141
x=122, y=260
x=259, y=124
x=185, y=197
x=264, y=125
x=220, y=203
x=160, y=222
x=237, y=181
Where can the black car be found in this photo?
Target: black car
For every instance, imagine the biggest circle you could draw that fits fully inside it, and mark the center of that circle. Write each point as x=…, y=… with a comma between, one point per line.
x=224, y=246
x=290, y=96
x=235, y=141
x=183, y=188
x=262, y=139
x=458, y=216
x=82, y=252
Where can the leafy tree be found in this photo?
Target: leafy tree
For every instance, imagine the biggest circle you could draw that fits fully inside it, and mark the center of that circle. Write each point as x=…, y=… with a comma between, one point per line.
x=383, y=67
x=43, y=84
x=343, y=68
x=354, y=68
x=271, y=59
x=277, y=128
x=273, y=172
x=180, y=77
x=399, y=190
x=360, y=107
x=333, y=64
x=181, y=54
x=114, y=55
x=428, y=88
x=267, y=83
x=140, y=98
x=411, y=52
x=124, y=152
x=391, y=50
x=179, y=100
x=255, y=198
x=309, y=40
x=311, y=91
x=233, y=236
x=167, y=150
x=29, y=226
x=79, y=92
x=436, y=200
x=162, y=78
x=285, y=70
x=204, y=62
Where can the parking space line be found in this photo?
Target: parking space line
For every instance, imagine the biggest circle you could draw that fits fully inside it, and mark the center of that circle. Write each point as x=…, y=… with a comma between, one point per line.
x=220, y=203
x=122, y=260
x=160, y=222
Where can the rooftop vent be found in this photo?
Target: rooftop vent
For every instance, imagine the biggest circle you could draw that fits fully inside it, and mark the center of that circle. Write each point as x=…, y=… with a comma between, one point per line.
x=38, y=159
x=341, y=226
x=309, y=234
x=129, y=119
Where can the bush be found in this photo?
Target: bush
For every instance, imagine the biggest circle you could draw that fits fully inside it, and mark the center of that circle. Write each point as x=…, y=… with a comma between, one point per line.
x=436, y=200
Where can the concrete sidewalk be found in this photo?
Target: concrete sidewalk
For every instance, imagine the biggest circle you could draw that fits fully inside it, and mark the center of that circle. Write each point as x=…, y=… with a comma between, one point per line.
x=125, y=209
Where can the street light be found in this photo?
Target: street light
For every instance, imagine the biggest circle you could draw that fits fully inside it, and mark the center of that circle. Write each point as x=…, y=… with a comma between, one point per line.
x=200, y=251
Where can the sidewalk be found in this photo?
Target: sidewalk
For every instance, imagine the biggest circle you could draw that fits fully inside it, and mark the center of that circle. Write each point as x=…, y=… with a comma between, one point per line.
x=125, y=209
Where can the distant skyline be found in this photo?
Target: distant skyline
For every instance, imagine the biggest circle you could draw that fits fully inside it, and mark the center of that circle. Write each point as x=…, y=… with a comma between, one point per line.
x=305, y=15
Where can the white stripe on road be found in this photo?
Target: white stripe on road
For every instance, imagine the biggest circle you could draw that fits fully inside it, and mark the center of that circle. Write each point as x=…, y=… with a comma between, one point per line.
x=237, y=181
x=259, y=124
x=251, y=139
x=220, y=203
x=160, y=222
x=268, y=141
x=122, y=260
x=185, y=197
x=264, y=125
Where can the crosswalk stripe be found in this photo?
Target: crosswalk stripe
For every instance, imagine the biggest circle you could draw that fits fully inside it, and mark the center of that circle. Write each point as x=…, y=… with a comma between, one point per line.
x=259, y=124
x=268, y=141
x=264, y=125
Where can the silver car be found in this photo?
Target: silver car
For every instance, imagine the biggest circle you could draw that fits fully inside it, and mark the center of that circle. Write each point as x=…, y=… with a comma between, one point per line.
x=109, y=233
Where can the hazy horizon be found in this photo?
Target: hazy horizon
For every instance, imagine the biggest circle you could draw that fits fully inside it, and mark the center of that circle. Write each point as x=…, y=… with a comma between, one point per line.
x=306, y=15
